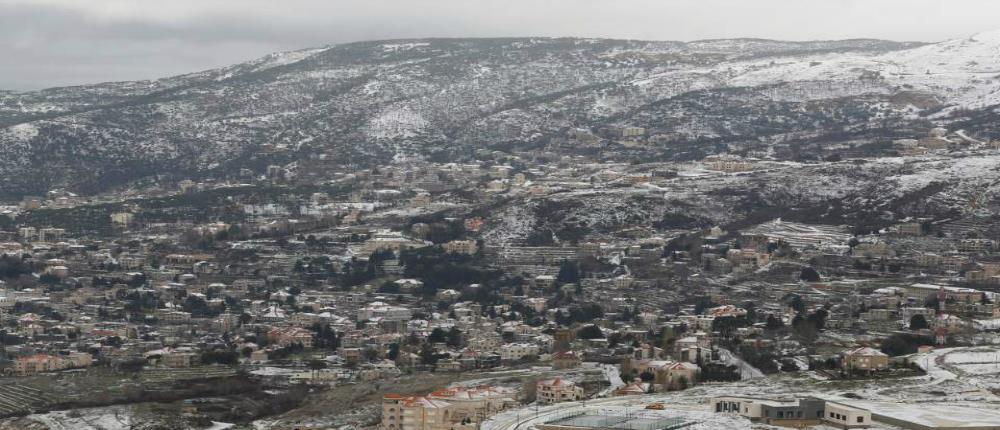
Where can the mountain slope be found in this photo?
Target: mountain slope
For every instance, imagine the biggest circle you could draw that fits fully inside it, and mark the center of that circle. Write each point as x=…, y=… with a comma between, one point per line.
x=367, y=102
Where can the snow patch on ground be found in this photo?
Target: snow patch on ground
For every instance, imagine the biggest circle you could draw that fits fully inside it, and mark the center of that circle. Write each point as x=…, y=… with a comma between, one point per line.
x=283, y=58
x=394, y=47
x=401, y=122
x=109, y=418
x=23, y=132
x=967, y=168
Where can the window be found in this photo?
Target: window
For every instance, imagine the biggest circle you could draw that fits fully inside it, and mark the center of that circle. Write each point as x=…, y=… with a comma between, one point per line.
x=861, y=419
x=831, y=414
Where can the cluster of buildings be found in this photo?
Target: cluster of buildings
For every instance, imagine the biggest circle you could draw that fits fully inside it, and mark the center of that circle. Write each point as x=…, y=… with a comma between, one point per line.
x=446, y=409
x=403, y=268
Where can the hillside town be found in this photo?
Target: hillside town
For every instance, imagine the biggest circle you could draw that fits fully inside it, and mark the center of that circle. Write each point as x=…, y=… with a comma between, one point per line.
x=515, y=215
x=432, y=288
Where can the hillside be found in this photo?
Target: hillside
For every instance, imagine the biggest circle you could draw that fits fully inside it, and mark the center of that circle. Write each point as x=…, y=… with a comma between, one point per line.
x=364, y=103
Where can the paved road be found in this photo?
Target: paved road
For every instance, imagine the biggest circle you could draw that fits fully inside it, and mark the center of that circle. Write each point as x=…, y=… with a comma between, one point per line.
x=520, y=419
x=613, y=376
x=746, y=370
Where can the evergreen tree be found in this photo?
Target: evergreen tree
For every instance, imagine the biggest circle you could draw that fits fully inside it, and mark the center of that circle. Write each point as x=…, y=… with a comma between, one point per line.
x=590, y=332
x=918, y=322
x=454, y=338
x=427, y=355
x=809, y=274
x=437, y=336
x=569, y=273
x=393, y=351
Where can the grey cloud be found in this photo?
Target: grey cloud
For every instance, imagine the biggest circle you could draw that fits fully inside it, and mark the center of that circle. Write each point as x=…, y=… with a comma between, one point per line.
x=66, y=42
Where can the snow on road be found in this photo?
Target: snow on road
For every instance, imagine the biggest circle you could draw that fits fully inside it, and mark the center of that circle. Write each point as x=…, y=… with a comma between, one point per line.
x=614, y=377
x=746, y=370
x=527, y=417
x=933, y=363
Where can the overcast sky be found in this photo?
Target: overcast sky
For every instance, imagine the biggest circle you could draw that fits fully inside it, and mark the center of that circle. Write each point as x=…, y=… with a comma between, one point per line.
x=47, y=43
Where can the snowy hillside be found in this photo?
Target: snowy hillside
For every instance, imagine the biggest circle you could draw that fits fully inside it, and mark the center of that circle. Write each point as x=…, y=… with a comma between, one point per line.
x=963, y=72
x=368, y=102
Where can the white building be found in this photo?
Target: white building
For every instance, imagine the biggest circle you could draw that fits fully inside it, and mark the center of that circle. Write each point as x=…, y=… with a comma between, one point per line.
x=517, y=351
x=384, y=311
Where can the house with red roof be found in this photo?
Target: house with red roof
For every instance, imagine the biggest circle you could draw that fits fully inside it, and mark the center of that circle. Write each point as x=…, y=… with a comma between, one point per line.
x=636, y=388
x=557, y=390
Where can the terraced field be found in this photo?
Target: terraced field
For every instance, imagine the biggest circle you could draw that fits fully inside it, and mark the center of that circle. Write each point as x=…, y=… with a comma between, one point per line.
x=168, y=375
x=19, y=399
